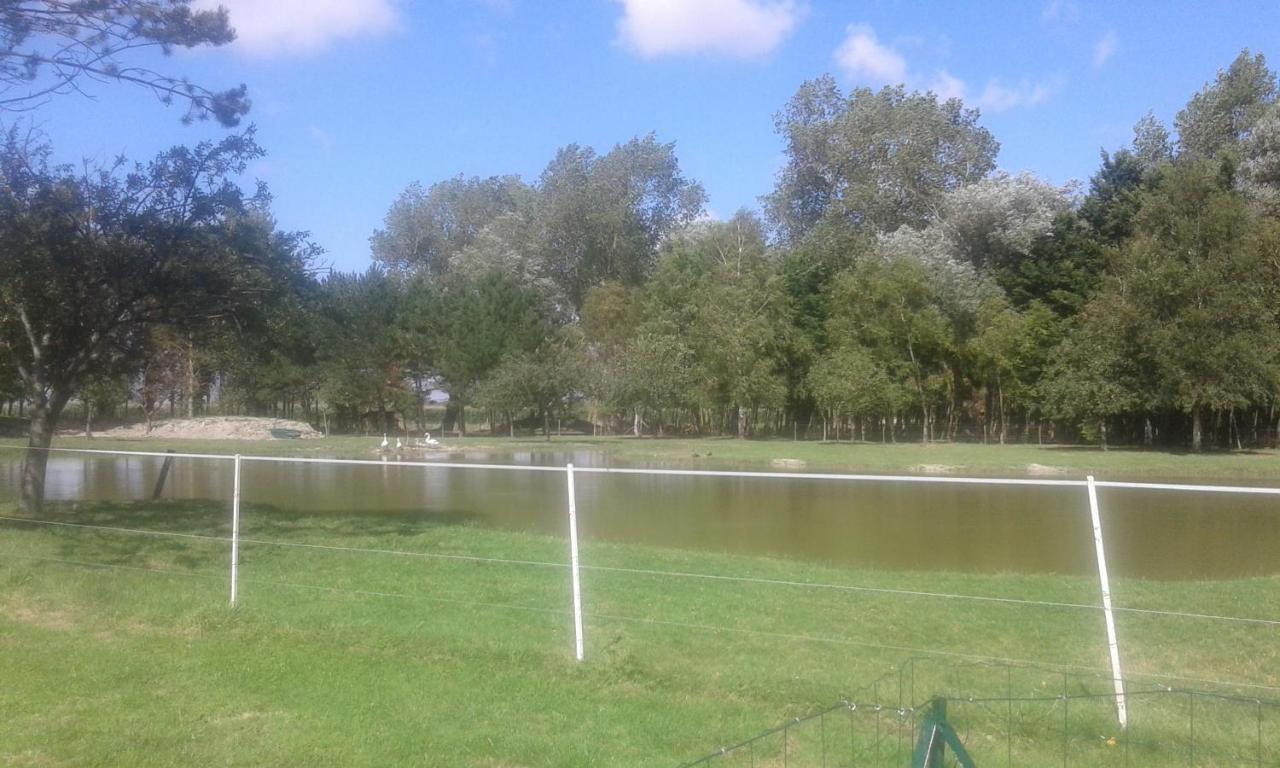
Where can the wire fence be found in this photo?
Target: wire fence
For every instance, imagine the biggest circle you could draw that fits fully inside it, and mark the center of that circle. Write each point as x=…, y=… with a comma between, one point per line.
x=561, y=601
x=1007, y=715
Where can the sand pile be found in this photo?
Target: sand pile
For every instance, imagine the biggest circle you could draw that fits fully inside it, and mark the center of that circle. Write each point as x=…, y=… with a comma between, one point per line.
x=214, y=428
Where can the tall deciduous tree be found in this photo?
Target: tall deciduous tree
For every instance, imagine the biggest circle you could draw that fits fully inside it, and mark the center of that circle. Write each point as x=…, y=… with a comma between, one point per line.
x=426, y=230
x=1209, y=296
x=875, y=160
x=50, y=47
x=1259, y=173
x=1198, y=296
x=1224, y=111
x=602, y=218
x=89, y=261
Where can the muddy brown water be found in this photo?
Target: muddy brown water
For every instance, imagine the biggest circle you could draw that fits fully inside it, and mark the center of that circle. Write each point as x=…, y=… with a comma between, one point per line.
x=1152, y=534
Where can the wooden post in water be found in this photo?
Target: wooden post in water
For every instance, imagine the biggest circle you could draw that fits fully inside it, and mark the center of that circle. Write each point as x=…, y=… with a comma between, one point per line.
x=164, y=475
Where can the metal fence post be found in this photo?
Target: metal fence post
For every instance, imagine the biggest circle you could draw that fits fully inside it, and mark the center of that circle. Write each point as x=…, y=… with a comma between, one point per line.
x=573, y=563
x=235, y=528
x=1113, y=645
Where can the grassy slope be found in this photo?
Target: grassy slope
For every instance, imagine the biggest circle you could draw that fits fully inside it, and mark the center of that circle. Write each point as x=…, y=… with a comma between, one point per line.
x=954, y=458
x=344, y=658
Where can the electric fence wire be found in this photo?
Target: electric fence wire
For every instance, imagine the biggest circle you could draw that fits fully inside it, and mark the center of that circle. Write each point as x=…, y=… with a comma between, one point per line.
x=745, y=474
x=663, y=573
x=798, y=637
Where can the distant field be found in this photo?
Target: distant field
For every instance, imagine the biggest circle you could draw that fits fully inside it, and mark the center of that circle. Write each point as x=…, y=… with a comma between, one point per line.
x=951, y=458
x=120, y=649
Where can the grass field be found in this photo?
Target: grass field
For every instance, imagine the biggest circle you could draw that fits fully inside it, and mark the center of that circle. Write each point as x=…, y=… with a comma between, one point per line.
x=949, y=458
x=120, y=649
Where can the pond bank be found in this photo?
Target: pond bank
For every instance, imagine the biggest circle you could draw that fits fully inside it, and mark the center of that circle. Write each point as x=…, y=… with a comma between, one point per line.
x=727, y=453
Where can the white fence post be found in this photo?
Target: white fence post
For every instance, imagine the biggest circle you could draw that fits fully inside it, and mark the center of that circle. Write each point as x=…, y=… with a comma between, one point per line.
x=573, y=560
x=235, y=528
x=1112, y=644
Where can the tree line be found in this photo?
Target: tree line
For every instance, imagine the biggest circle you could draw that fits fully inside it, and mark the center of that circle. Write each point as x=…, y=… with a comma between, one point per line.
x=893, y=286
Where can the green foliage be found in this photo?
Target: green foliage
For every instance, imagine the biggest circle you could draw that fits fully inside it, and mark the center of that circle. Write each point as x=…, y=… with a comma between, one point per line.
x=1224, y=111
x=843, y=153
x=611, y=313
x=1114, y=196
x=851, y=383
x=461, y=327
x=48, y=48
x=359, y=357
x=92, y=260
x=546, y=382
x=1061, y=269
x=601, y=218
x=1259, y=173
x=427, y=230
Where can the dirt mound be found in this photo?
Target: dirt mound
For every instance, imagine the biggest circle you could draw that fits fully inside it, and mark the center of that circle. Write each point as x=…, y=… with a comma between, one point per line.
x=216, y=428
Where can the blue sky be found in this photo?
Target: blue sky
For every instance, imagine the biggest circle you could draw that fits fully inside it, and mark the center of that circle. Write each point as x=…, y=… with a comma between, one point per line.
x=355, y=99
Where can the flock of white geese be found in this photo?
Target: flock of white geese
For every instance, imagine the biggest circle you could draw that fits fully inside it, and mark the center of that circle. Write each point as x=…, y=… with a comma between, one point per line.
x=427, y=441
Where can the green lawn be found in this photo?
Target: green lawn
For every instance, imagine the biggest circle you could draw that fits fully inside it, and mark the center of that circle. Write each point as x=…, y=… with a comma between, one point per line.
x=949, y=458
x=120, y=649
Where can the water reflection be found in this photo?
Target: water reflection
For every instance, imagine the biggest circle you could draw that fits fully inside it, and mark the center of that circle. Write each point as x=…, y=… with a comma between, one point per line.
x=1156, y=534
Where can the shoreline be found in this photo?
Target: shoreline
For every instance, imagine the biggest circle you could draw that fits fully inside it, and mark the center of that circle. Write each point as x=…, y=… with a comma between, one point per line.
x=956, y=459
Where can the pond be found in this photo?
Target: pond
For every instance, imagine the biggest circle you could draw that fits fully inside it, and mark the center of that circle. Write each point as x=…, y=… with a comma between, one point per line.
x=1152, y=534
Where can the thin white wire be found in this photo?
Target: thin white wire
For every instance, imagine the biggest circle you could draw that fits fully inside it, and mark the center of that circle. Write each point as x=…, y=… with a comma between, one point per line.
x=138, y=531
x=381, y=463
x=828, y=476
x=661, y=573
x=92, y=564
x=1189, y=487
x=679, y=624
x=409, y=596
x=158, y=454
x=918, y=593
x=1268, y=491
x=432, y=555
x=912, y=649
x=293, y=584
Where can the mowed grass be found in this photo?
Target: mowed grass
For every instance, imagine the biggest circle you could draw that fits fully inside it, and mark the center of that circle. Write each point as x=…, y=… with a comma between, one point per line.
x=1013, y=460
x=120, y=649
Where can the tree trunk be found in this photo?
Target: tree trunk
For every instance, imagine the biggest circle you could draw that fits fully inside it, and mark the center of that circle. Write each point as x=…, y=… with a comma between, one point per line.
x=44, y=419
x=1196, y=429
x=1003, y=420
x=191, y=376
x=742, y=422
x=635, y=423
x=1102, y=432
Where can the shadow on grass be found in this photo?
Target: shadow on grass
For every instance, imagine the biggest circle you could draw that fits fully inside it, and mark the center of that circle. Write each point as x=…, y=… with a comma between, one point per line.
x=193, y=519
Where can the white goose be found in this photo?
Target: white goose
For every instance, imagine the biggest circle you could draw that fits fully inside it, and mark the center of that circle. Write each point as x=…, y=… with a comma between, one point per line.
x=383, y=445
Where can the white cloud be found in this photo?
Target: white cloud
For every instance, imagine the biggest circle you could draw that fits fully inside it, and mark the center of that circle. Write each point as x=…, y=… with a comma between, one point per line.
x=741, y=28
x=863, y=57
x=1104, y=49
x=282, y=27
x=948, y=86
x=997, y=97
x=321, y=137
x=1060, y=12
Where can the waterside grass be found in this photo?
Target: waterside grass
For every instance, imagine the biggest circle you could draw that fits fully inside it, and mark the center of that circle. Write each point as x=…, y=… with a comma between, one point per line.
x=120, y=649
